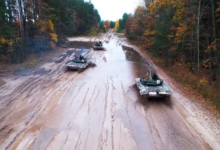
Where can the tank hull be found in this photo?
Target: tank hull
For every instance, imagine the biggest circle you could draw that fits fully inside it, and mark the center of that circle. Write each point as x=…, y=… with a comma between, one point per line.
x=153, y=91
x=98, y=47
x=73, y=65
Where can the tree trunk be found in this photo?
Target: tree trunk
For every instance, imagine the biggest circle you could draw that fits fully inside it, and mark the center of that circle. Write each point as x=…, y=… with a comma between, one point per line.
x=21, y=18
x=214, y=31
x=198, y=24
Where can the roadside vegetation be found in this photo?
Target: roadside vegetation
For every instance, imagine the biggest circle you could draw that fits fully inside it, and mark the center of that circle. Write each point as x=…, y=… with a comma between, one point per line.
x=184, y=37
x=35, y=26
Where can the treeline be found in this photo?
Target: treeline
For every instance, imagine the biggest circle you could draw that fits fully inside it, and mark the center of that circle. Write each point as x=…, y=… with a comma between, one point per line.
x=118, y=25
x=38, y=25
x=186, y=31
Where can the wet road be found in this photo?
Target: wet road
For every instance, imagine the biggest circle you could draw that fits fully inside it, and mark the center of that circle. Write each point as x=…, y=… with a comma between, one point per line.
x=98, y=108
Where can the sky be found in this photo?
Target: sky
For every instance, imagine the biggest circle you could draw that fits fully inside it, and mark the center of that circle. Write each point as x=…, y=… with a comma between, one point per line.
x=114, y=9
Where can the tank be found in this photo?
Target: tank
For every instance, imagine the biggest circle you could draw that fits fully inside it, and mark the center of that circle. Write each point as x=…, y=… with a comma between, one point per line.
x=78, y=63
x=153, y=86
x=98, y=46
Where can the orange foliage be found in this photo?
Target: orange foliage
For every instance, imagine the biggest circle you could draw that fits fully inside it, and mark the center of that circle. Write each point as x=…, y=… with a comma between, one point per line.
x=107, y=25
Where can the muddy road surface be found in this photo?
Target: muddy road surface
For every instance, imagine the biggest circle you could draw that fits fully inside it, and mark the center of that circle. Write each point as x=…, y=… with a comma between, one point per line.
x=98, y=108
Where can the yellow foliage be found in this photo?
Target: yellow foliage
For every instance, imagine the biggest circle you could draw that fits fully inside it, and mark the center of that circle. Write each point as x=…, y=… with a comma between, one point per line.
x=5, y=41
x=42, y=26
x=116, y=26
x=169, y=36
x=180, y=32
x=93, y=31
x=152, y=8
x=50, y=24
x=2, y=40
x=46, y=29
x=53, y=37
x=149, y=32
x=212, y=46
x=10, y=42
x=203, y=82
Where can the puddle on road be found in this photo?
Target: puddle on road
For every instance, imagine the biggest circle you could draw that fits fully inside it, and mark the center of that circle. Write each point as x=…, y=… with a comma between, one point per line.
x=41, y=71
x=28, y=72
x=119, y=53
x=77, y=44
x=22, y=72
x=133, y=56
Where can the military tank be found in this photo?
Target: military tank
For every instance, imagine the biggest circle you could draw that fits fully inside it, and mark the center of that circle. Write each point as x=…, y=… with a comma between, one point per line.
x=152, y=86
x=78, y=63
x=98, y=46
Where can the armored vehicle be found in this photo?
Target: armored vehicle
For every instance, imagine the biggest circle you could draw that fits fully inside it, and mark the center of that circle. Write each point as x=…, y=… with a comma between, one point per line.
x=152, y=86
x=98, y=46
x=78, y=63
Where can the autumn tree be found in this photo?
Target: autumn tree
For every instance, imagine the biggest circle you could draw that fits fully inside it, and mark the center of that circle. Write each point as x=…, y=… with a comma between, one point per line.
x=127, y=30
x=35, y=25
x=107, y=25
x=116, y=25
x=180, y=32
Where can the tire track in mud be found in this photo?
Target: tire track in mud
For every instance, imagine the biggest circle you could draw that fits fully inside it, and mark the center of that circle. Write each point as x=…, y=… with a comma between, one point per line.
x=154, y=132
x=79, y=110
x=7, y=95
x=31, y=87
x=100, y=146
x=97, y=96
x=78, y=141
x=93, y=94
x=22, y=130
x=84, y=100
x=14, y=139
x=112, y=96
x=3, y=118
x=86, y=139
x=40, y=107
x=126, y=109
x=171, y=132
x=13, y=99
x=28, y=87
x=80, y=87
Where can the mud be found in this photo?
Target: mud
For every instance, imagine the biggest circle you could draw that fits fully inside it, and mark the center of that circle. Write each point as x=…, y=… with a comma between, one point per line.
x=63, y=56
x=22, y=72
x=133, y=56
x=2, y=82
x=99, y=108
x=41, y=71
x=78, y=44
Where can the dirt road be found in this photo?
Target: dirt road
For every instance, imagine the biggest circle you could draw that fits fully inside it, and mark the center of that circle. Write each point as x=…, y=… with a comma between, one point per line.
x=99, y=108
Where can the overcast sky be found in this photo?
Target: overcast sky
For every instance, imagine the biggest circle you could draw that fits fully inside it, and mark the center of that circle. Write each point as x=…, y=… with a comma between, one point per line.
x=114, y=9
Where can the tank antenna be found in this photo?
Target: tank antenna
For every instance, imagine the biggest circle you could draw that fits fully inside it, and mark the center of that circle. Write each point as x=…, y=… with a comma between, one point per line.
x=150, y=73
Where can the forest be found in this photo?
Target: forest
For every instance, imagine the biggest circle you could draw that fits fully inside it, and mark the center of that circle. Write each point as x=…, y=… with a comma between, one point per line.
x=118, y=25
x=32, y=26
x=182, y=33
